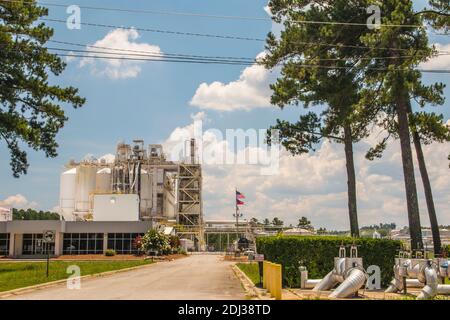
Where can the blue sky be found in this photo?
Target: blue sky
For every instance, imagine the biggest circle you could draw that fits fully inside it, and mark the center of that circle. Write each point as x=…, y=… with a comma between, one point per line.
x=154, y=103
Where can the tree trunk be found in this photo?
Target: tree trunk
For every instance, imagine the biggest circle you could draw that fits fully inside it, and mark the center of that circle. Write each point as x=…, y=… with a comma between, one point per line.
x=351, y=181
x=415, y=229
x=428, y=194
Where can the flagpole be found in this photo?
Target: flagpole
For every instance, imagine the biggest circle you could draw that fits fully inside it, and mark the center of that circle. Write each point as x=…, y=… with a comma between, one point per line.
x=237, y=215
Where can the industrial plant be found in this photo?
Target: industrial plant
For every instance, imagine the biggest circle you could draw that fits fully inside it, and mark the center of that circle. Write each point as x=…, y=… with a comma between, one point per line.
x=139, y=185
x=107, y=204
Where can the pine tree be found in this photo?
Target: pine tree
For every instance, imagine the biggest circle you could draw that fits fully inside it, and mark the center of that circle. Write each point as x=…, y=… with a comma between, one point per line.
x=30, y=108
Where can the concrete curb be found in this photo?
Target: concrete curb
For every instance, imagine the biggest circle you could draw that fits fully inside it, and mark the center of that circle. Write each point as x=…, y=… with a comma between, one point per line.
x=248, y=285
x=45, y=285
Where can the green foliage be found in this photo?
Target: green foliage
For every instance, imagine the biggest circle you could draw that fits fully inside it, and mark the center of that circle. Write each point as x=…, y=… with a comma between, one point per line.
x=30, y=108
x=317, y=254
x=446, y=250
x=110, y=252
x=155, y=240
x=277, y=222
x=30, y=214
x=305, y=223
x=251, y=270
x=174, y=242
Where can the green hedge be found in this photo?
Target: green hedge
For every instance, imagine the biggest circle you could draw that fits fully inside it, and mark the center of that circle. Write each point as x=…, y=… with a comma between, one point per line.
x=318, y=252
x=447, y=250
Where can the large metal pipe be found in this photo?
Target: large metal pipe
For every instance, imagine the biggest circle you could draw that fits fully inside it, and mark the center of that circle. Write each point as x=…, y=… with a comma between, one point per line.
x=443, y=289
x=327, y=283
x=306, y=283
x=430, y=289
x=352, y=283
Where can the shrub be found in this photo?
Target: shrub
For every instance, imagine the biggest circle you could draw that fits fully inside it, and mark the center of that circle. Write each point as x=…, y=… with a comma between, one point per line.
x=110, y=253
x=174, y=242
x=446, y=251
x=317, y=254
x=155, y=240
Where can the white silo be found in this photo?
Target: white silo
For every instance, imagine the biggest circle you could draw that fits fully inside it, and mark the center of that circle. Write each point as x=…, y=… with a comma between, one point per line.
x=85, y=185
x=67, y=193
x=146, y=192
x=103, y=181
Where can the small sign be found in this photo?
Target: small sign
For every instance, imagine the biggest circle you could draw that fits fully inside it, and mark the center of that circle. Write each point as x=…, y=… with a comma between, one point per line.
x=259, y=257
x=48, y=236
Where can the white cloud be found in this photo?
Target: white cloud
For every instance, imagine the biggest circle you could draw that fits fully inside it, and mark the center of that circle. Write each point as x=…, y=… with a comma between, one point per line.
x=315, y=185
x=439, y=62
x=123, y=39
x=250, y=91
x=17, y=201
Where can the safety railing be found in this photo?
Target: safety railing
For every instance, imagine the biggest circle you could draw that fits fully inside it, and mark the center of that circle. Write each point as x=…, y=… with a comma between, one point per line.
x=272, y=279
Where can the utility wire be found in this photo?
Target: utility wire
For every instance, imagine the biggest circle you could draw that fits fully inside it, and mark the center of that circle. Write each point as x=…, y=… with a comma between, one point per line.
x=250, y=61
x=157, y=30
x=236, y=63
x=191, y=14
x=149, y=55
x=221, y=36
x=148, y=52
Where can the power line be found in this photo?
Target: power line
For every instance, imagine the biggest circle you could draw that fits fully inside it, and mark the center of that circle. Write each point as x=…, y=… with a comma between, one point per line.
x=222, y=36
x=149, y=52
x=157, y=56
x=203, y=15
x=250, y=61
x=155, y=59
x=207, y=35
x=236, y=63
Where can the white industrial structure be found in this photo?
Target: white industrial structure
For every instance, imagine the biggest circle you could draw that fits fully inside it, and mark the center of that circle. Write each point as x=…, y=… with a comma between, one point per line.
x=5, y=214
x=138, y=185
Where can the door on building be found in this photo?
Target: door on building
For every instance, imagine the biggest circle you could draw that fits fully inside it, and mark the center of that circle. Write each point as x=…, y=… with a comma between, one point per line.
x=33, y=244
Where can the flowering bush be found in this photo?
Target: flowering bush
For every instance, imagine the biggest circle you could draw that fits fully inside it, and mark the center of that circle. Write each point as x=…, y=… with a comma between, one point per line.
x=157, y=241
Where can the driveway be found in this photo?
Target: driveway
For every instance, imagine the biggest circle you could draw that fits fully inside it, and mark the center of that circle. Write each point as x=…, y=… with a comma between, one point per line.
x=198, y=277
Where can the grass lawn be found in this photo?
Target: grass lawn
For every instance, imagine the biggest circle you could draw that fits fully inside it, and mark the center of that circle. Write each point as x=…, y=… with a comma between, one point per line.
x=251, y=270
x=23, y=274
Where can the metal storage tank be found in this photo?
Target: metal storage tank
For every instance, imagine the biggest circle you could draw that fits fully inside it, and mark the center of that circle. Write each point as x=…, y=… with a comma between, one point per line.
x=67, y=193
x=146, y=192
x=85, y=185
x=103, y=181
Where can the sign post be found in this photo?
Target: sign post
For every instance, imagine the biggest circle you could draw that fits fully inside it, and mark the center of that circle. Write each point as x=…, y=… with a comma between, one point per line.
x=48, y=237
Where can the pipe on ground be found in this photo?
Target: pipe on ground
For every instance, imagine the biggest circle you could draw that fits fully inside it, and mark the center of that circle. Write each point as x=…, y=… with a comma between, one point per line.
x=327, y=283
x=352, y=283
x=443, y=289
x=430, y=289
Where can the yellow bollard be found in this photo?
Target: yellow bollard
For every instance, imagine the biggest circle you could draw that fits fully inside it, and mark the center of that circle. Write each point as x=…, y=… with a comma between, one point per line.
x=277, y=282
x=272, y=279
x=265, y=272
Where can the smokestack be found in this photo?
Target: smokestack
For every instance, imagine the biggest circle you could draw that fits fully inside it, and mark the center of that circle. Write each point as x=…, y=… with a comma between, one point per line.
x=192, y=151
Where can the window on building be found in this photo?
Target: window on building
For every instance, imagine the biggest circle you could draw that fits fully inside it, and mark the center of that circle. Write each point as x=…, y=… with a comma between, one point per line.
x=123, y=243
x=33, y=244
x=4, y=244
x=83, y=243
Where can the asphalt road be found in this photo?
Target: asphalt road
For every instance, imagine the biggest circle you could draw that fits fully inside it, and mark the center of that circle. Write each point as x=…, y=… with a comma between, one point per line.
x=198, y=277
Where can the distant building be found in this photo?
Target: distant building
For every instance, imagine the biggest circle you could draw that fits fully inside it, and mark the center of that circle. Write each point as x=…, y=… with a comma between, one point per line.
x=376, y=235
x=298, y=232
x=403, y=235
x=5, y=214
